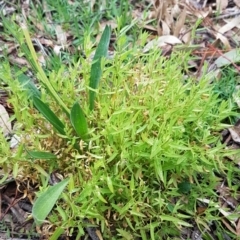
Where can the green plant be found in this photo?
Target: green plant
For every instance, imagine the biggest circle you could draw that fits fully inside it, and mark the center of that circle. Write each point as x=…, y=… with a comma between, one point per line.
x=150, y=134
x=226, y=85
x=138, y=150
x=76, y=115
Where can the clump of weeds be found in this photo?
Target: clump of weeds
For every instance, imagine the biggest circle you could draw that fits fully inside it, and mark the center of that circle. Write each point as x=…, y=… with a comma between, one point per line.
x=133, y=143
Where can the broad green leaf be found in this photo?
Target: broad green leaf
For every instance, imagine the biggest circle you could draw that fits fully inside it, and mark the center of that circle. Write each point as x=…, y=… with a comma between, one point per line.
x=96, y=70
x=79, y=121
x=102, y=47
x=228, y=58
x=46, y=201
x=41, y=155
x=49, y=114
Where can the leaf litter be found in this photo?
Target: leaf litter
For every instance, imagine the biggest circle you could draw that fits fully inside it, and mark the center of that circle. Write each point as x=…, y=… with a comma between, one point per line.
x=207, y=28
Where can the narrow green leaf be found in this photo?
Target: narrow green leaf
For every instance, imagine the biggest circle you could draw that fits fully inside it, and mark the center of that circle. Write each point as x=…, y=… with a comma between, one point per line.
x=28, y=85
x=46, y=201
x=62, y=213
x=152, y=231
x=57, y=233
x=79, y=121
x=175, y=220
x=126, y=235
x=170, y=207
x=143, y=234
x=110, y=184
x=41, y=155
x=137, y=214
x=96, y=70
x=40, y=170
x=42, y=76
x=99, y=195
x=102, y=47
x=49, y=114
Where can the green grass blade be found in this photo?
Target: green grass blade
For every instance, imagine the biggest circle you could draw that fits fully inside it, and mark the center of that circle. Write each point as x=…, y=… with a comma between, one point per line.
x=102, y=47
x=57, y=233
x=96, y=70
x=96, y=73
x=175, y=220
x=28, y=85
x=46, y=201
x=42, y=76
x=49, y=114
x=79, y=121
x=41, y=155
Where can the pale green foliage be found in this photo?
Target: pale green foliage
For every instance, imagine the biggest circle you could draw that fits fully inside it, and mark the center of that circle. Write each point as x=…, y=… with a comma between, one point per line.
x=152, y=132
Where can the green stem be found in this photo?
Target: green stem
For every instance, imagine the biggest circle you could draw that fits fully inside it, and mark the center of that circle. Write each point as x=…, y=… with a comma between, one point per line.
x=42, y=75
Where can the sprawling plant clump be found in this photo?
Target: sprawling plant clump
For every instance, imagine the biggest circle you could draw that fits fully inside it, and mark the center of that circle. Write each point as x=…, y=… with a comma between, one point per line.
x=150, y=152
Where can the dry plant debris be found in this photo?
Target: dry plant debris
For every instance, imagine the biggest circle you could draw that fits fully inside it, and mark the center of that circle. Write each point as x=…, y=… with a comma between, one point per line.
x=209, y=29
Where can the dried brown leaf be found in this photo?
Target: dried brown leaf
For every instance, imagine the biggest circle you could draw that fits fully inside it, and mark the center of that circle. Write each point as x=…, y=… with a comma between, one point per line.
x=5, y=124
x=179, y=24
x=176, y=11
x=14, y=142
x=237, y=2
x=163, y=28
x=235, y=22
x=17, y=212
x=18, y=61
x=195, y=4
x=185, y=35
x=150, y=28
x=46, y=42
x=228, y=226
x=151, y=15
x=168, y=18
x=223, y=39
x=161, y=42
x=111, y=23
x=221, y=5
x=57, y=49
x=8, y=10
x=61, y=35
x=157, y=3
x=238, y=227
x=235, y=133
x=91, y=2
